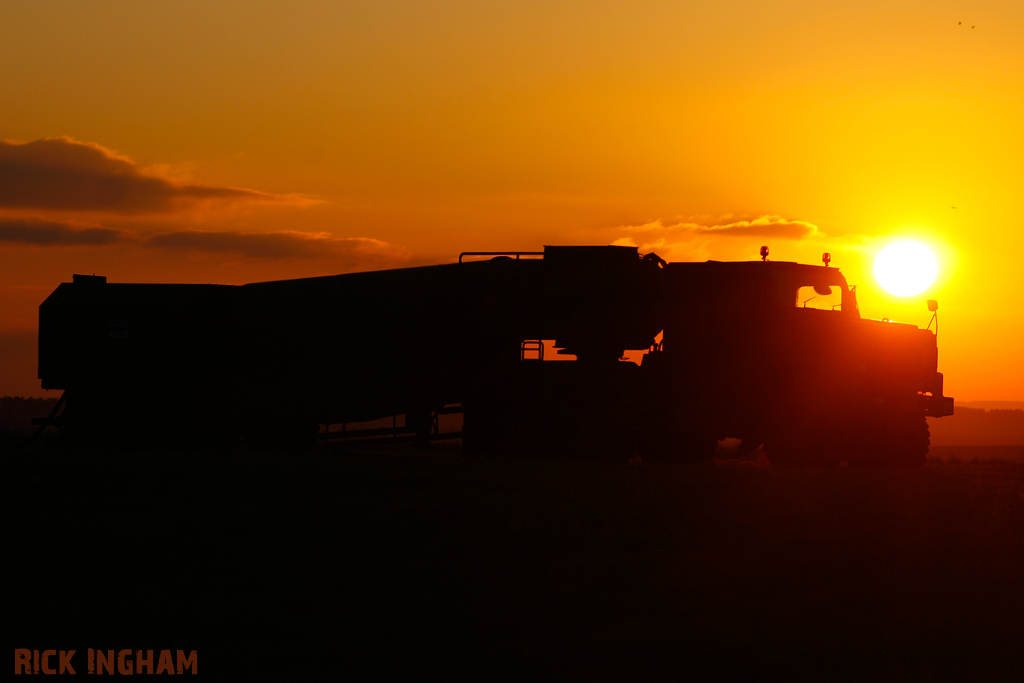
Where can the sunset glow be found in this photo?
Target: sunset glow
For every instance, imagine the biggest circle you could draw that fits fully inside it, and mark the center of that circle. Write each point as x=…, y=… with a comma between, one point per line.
x=234, y=142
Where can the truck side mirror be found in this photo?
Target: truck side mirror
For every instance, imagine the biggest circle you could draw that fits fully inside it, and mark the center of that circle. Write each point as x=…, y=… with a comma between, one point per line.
x=933, y=305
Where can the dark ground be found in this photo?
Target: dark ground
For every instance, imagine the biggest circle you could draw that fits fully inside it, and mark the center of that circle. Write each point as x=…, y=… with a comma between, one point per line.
x=427, y=565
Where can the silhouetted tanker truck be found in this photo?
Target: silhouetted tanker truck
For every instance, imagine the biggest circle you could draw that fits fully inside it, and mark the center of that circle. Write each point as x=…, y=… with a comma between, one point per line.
x=768, y=352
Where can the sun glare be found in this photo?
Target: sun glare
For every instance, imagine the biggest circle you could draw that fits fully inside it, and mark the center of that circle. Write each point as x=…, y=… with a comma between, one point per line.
x=906, y=268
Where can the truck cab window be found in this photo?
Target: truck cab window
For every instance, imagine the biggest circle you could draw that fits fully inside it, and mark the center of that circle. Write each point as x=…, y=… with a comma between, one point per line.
x=822, y=297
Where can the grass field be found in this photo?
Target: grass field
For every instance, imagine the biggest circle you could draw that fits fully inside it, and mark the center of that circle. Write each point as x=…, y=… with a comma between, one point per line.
x=391, y=561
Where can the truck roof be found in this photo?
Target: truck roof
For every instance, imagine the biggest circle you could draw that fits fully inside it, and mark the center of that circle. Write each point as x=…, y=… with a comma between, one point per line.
x=118, y=295
x=785, y=269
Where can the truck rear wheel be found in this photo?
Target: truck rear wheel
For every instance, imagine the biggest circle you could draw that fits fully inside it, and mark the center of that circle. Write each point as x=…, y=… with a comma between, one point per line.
x=281, y=436
x=550, y=411
x=674, y=447
x=802, y=450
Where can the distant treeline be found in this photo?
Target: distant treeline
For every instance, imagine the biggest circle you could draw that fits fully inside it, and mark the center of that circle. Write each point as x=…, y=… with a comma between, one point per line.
x=16, y=413
x=974, y=427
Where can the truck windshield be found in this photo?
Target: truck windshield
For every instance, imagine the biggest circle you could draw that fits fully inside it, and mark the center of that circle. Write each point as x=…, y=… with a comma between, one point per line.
x=824, y=297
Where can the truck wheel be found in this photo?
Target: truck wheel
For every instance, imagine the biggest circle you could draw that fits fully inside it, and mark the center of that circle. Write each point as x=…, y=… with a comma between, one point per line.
x=678, y=449
x=283, y=437
x=896, y=441
x=700, y=449
x=802, y=448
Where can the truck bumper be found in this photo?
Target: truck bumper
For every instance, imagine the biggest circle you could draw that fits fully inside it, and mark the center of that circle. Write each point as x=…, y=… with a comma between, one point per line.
x=938, y=406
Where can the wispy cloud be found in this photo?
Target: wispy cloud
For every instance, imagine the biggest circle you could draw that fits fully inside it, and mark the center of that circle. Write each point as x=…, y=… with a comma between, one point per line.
x=63, y=174
x=342, y=251
x=762, y=226
x=691, y=239
x=339, y=252
x=49, y=233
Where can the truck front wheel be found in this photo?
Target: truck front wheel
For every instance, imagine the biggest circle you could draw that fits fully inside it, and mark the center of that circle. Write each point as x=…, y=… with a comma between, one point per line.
x=896, y=440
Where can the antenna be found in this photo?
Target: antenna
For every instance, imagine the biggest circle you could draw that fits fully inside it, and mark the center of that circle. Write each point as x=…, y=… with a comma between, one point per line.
x=933, y=306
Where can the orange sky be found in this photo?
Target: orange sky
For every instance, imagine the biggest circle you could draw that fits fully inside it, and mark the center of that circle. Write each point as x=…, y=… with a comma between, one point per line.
x=239, y=141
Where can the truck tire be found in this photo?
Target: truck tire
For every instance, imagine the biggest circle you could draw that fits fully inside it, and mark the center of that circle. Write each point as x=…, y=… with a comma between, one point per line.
x=665, y=446
x=803, y=446
x=898, y=440
x=293, y=437
x=787, y=455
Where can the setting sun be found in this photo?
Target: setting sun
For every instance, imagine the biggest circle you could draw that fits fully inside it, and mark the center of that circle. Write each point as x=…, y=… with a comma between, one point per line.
x=906, y=268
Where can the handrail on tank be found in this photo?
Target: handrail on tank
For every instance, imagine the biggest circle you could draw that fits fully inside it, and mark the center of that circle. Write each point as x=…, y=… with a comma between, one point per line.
x=517, y=254
x=536, y=345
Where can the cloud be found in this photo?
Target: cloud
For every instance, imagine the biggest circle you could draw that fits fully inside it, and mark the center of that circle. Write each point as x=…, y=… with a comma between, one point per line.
x=49, y=233
x=341, y=252
x=762, y=226
x=344, y=251
x=765, y=226
x=691, y=240
x=68, y=175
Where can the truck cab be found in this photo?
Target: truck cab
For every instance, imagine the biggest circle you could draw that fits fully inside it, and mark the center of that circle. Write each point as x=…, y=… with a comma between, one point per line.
x=776, y=353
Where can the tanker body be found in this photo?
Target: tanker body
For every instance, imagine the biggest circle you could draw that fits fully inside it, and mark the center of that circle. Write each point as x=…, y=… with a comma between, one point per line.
x=271, y=361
